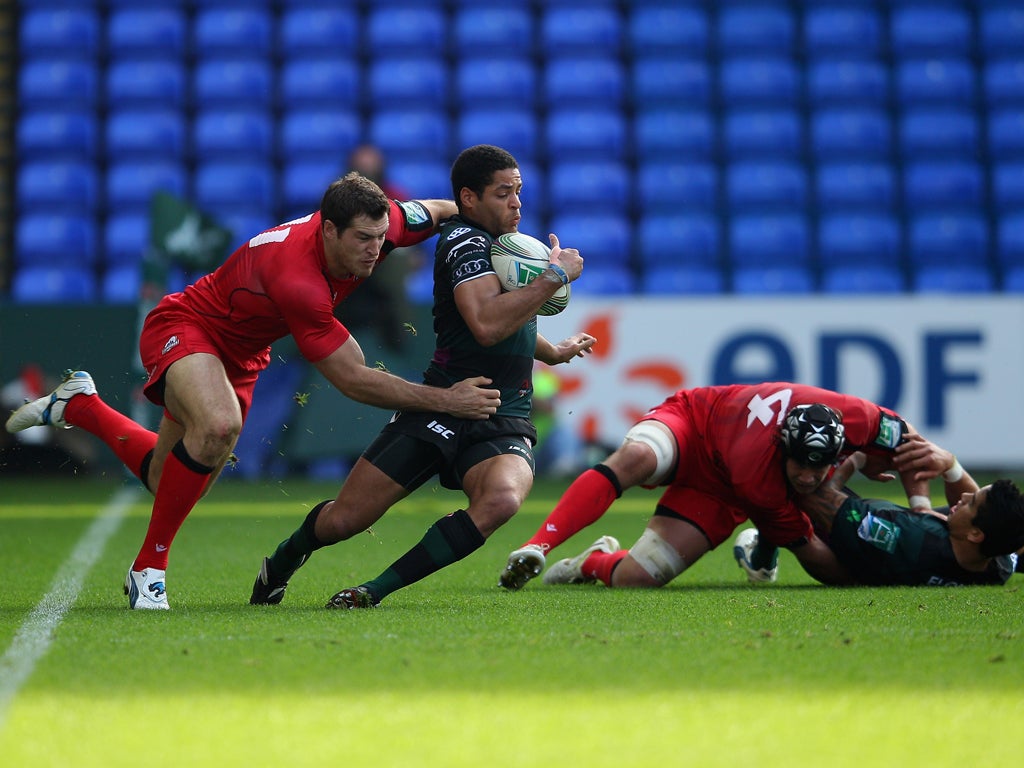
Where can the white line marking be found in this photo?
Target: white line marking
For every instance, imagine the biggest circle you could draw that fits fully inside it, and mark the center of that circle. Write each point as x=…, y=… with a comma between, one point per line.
x=34, y=636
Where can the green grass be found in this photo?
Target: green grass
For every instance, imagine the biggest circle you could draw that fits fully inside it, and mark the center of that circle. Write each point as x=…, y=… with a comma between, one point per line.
x=455, y=672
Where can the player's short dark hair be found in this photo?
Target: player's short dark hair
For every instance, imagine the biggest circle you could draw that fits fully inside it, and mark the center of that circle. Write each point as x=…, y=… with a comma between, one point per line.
x=475, y=167
x=350, y=196
x=1001, y=519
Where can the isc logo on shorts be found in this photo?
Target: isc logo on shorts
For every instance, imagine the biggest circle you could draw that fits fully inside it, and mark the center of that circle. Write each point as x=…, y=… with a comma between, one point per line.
x=441, y=429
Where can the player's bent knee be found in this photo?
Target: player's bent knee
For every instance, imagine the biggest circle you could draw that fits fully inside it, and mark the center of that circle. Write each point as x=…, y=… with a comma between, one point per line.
x=657, y=557
x=664, y=448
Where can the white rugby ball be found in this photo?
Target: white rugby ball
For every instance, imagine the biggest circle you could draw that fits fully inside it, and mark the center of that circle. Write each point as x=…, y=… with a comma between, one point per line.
x=518, y=259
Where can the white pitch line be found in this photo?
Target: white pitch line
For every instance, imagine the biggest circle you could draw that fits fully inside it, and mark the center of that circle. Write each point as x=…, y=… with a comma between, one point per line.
x=34, y=636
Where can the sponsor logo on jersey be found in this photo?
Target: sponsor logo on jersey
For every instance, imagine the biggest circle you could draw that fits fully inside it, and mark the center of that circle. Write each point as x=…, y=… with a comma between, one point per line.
x=890, y=432
x=879, y=533
x=474, y=267
x=458, y=232
x=171, y=344
x=415, y=212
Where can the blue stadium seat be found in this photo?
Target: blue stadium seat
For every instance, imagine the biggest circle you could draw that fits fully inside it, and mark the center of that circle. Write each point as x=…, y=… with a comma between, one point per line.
x=757, y=81
x=1006, y=133
x=147, y=32
x=423, y=180
x=765, y=185
x=305, y=80
x=244, y=223
x=53, y=285
x=146, y=133
x=319, y=133
x=421, y=133
x=122, y=284
x=859, y=240
x=670, y=82
x=673, y=133
x=1004, y=81
x=572, y=133
x=777, y=281
x=126, y=238
x=778, y=239
x=510, y=128
x=1010, y=240
x=234, y=31
x=143, y=82
x=850, y=133
x=241, y=82
x=55, y=240
x=744, y=28
x=854, y=30
x=848, y=82
x=923, y=30
x=676, y=186
x=1008, y=186
x=862, y=280
x=584, y=81
x=603, y=240
x=220, y=185
x=943, y=131
x=952, y=184
x=64, y=83
x=490, y=28
x=768, y=133
x=311, y=30
x=233, y=132
x=572, y=30
x=947, y=239
x=303, y=183
x=407, y=80
x=670, y=281
x=668, y=28
x=676, y=240
x=43, y=32
x=1013, y=280
x=131, y=184
x=962, y=279
x=505, y=82
x=419, y=27
x=947, y=81
x=845, y=185
x=605, y=280
x=56, y=134
x=63, y=185
x=578, y=186
x=1002, y=29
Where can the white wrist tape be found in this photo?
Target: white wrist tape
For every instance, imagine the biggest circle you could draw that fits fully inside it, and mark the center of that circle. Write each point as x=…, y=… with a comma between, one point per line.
x=954, y=473
x=920, y=502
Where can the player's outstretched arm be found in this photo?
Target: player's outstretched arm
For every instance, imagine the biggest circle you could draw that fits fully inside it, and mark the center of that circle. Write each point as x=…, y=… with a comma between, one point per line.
x=575, y=346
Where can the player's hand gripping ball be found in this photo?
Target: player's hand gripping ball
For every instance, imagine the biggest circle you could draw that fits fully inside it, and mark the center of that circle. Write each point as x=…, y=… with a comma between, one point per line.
x=518, y=259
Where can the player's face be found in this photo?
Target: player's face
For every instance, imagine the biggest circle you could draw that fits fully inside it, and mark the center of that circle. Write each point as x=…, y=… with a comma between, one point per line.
x=961, y=515
x=498, y=210
x=354, y=250
x=805, y=479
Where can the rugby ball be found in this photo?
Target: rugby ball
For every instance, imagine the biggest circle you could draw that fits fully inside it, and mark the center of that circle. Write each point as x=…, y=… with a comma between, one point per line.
x=518, y=259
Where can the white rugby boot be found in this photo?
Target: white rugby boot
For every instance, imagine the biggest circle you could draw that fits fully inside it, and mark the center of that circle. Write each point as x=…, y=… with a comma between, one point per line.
x=743, y=551
x=523, y=564
x=49, y=409
x=146, y=590
x=570, y=570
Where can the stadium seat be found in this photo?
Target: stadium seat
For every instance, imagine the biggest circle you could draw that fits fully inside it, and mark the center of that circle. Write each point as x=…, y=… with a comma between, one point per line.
x=953, y=184
x=593, y=28
x=146, y=83
x=222, y=184
x=946, y=81
x=122, y=284
x=744, y=28
x=673, y=281
x=131, y=184
x=765, y=185
x=146, y=134
x=673, y=133
x=56, y=134
x=845, y=185
x=227, y=31
x=419, y=27
x=241, y=82
x=947, y=239
x=748, y=81
x=53, y=285
x=134, y=33
x=319, y=133
x=219, y=133
x=1013, y=280
x=1008, y=186
x=126, y=238
x=1002, y=29
x=670, y=82
x=963, y=279
x=66, y=83
x=55, y=240
x=588, y=185
x=1004, y=82
x=512, y=129
x=854, y=30
x=772, y=280
x=767, y=133
x=926, y=29
x=303, y=183
x=1010, y=240
x=850, y=134
x=423, y=134
x=572, y=133
x=311, y=30
x=668, y=28
x=63, y=185
x=864, y=240
x=848, y=82
x=780, y=239
x=676, y=186
x=43, y=32
x=305, y=80
x=490, y=29
x=675, y=240
x=603, y=240
x=504, y=82
x=401, y=80
x=1006, y=134
x=605, y=280
x=423, y=179
x=584, y=81
x=862, y=280
x=939, y=132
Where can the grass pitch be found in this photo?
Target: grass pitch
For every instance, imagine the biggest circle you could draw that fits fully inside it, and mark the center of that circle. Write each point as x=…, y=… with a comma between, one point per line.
x=455, y=672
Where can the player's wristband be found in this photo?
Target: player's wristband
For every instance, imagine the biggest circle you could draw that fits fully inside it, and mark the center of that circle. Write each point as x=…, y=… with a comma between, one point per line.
x=920, y=502
x=954, y=473
x=560, y=273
